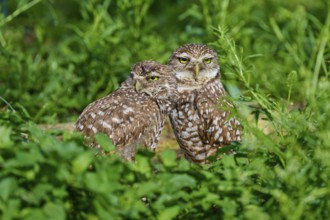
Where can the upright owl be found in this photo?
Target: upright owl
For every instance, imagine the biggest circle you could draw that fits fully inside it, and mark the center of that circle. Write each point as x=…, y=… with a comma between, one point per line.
x=201, y=118
x=128, y=117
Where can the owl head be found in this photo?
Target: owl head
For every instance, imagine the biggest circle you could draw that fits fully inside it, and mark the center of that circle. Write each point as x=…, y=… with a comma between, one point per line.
x=195, y=65
x=155, y=79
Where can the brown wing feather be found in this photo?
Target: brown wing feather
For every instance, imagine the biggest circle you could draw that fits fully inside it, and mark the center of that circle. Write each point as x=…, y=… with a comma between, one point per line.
x=127, y=117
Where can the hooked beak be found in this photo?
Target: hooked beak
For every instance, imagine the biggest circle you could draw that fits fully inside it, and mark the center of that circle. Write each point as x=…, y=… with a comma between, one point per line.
x=196, y=70
x=138, y=86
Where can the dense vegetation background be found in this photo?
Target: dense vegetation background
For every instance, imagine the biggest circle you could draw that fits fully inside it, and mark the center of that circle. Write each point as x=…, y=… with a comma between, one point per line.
x=58, y=56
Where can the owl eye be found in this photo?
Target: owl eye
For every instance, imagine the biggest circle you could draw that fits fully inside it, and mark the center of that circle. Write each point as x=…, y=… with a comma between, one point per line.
x=183, y=60
x=207, y=60
x=152, y=78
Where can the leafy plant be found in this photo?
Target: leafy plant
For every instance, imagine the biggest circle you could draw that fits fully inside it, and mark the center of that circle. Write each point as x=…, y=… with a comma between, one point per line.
x=58, y=56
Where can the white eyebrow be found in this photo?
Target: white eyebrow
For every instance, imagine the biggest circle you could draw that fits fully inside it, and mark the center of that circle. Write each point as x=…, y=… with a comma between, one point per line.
x=183, y=55
x=208, y=56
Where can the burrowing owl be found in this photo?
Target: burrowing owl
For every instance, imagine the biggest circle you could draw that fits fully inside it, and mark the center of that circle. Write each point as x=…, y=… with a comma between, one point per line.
x=159, y=82
x=201, y=119
x=130, y=118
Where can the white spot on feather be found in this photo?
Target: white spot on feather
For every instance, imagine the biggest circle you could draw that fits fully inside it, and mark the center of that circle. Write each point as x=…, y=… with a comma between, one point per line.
x=105, y=124
x=191, y=129
x=200, y=156
x=228, y=136
x=184, y=134
x=93, y=115
x=195, y=139
x=217, y=134
x=127, y=110
x=100, y=113
x=117, y=120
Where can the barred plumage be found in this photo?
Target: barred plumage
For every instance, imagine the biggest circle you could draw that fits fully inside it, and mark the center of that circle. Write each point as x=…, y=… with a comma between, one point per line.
x=201, y=120
x=128, y=117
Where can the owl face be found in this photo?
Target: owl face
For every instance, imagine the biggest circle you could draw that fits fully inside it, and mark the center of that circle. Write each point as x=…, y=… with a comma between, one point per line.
x=194, y=65
x=154, y=79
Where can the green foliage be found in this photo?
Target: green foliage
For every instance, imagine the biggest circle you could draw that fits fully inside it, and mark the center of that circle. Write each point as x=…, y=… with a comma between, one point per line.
x=58, y=56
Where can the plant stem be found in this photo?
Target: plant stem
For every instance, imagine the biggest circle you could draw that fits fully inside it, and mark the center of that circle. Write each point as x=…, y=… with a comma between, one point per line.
x=18, y=12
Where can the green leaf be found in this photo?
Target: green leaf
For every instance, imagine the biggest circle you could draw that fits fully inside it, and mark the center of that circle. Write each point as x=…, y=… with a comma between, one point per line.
x=81, y=162
x=142, y=164
x=228, y=161
x=179, y=181
x=169, y=213
x=5, y=140
x=104, y=141
x=168, y=158
x=34, y=213
x=54, y=211
x=7, y=186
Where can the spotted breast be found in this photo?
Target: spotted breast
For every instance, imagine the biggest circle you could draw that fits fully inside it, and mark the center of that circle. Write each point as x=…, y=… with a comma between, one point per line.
x=201, y=123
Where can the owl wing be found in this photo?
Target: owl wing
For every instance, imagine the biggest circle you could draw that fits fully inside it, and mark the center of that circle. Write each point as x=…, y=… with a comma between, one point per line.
x=127, y=117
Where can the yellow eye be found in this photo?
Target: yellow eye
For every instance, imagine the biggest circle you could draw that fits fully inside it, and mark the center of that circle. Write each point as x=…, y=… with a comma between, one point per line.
x=152, y=78
x=183, y=60
x=207, y=60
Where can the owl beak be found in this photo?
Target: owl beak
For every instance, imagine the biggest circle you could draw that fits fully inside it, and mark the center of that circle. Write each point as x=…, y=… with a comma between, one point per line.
x=138, y=86
x=196, y=70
